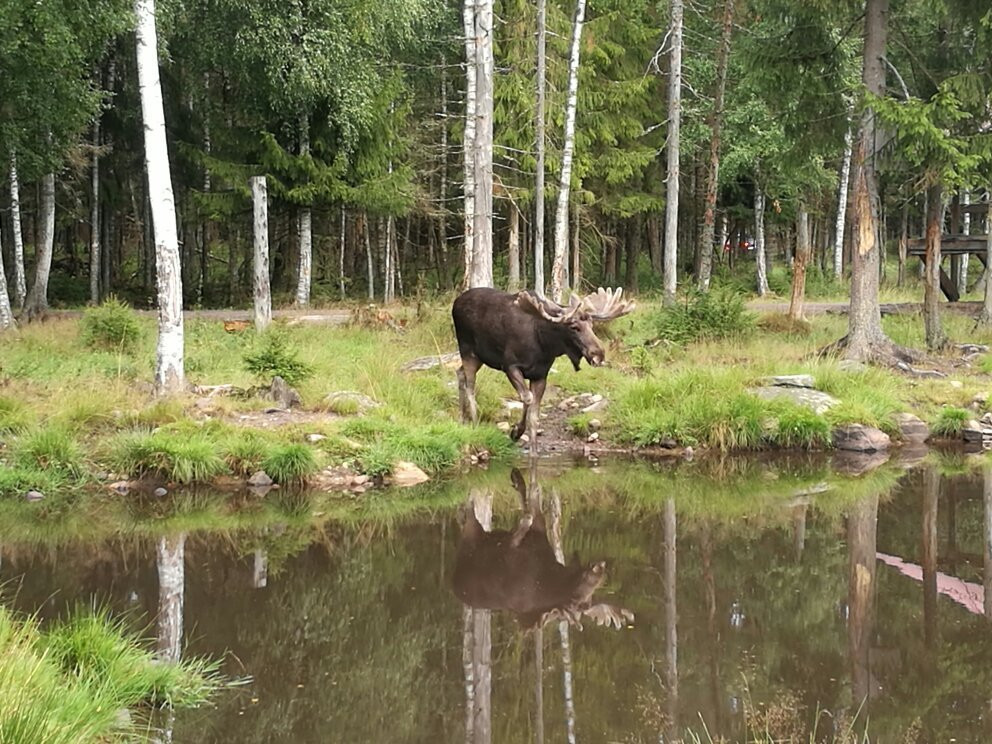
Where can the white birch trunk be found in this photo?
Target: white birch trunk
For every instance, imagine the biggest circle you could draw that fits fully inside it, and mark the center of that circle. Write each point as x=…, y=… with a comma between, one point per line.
x=539, y=148
x=20, y=282
x=390, y=267
x=513, y=250
x=260, y=231
x=482, y=250
x=6, y=313
x=559, y=268
x=305, y=271
x=962, y=278
x=95, y=216
x=845, y=178
x=986, y=315
x=759, y=242
x=170, y=561
x=169, y=374
x=36, y=302
x=341, y=241
x=554, y=534
x=670, y=268
x=370, y=262
x=468, y=18
x=260, y=570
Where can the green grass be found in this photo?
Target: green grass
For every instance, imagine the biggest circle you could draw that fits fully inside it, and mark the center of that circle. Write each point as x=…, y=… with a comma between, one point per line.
x=177, y=455
x=950, y=421
x=50, y=449
x=14, y=417
x=289, y=462
x=67, y=684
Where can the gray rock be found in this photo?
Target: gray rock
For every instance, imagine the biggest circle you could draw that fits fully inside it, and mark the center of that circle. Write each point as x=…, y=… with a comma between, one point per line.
x=283, y=394
x=977, y=434
x=858, y=463
x=817, y=401
x=860, y=438
x=347, y=401
x=160, y=492
x=314, y=438
x=33, y=495
x=452, y=358
x=851, y=365
x=912, y=428
x=597, y=405
x=797, y=381
x=259, y=479
x=595, y=424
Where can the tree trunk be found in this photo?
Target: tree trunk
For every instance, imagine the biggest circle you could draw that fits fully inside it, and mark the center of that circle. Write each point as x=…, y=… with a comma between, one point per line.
x=482, y=251
x=6, y=313
x=903, y=244
x=799, y=264
x=260, y=231
x=670, y=270
x=559, y=268
x=987, y=538
x=389, y=270
x=670, y=594
x=842, y=188
x=20, y=282
x=539, y=149
x=713, y=166
x=169, y=374
x=862, y=528
x=442, y=212
x=513, y=250
x=936, y=339
x=962, y=276
x=305, y=270
x=468, y=18
x=369, y=261
x=341, y=246
x=576, y=249
x=759, y=242
x=95, y=216
x=36, y=302
x=205, y=231
x=865, y=339
x=985, y=318
x=634, y=237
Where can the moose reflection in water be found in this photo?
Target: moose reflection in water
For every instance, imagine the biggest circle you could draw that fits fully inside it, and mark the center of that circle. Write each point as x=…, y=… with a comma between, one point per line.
x=518, y=571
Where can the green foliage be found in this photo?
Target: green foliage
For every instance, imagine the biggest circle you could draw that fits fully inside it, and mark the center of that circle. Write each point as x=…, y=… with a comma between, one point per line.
x=799, y=427
x=289, y=462
x=111, y=326
x=16, y=480
x=275, y=357
x=710, y=315
x=176, y=454
x=14, y=417
x=950, y=421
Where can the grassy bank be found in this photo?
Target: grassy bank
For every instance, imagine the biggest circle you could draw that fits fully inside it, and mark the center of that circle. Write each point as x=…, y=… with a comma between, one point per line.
x=75, y=682
x=74, y=412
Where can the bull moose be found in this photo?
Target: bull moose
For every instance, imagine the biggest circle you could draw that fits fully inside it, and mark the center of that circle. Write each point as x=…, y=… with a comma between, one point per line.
x=518, y=571
x=521, y=334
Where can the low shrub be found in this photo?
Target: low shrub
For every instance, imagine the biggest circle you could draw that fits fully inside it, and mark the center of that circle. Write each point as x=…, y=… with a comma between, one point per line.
x=709, y=315
x=52, y=448
x=950, y=421
x=111, y=326
x=181, y=456
x=289, y=462
x=275, y=357
x=799, y=427
x=14, y=417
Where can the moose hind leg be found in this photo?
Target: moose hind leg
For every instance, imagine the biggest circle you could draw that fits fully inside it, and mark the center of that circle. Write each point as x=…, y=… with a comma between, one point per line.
x=516, y=377
x=533, y=411
x=466, y=389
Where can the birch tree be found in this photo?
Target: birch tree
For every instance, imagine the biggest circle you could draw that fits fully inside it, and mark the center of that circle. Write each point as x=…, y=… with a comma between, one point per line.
x=262, y=294
x=670, y=269
x=20, y=284
x=559, y=269
x=539, y=148
x=481, y=274
x=305, y=230
x=759, y=241
x=6, y=314
x=169, y=372
x=95, y=216
x=845, y=177
x=468, y=144
x=713, y=165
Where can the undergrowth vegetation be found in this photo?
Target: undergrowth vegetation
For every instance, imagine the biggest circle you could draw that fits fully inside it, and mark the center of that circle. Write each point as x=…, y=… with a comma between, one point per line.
x=69, y=683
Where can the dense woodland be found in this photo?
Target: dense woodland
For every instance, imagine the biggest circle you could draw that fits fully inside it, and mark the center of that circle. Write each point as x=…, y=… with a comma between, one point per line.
x=670, y=142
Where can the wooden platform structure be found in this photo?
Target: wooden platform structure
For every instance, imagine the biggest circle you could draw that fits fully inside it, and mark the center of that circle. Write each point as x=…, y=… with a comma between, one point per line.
x=954, y=245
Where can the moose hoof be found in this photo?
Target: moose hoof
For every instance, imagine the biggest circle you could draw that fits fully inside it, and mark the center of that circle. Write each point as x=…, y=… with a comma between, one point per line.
x=516, y=431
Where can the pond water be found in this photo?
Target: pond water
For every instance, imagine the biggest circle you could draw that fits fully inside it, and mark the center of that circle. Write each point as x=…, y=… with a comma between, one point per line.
x=776, y=595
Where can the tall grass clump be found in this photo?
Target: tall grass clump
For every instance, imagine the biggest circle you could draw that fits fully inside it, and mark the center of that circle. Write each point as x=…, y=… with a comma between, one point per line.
x=52, y=448
x=177, y=455
x=111, y=326
x=798, y=427
x=289, y=462
x=274, y=356
x=702, y=316
x=68, y=685
x=13, y=416
x=950, y=421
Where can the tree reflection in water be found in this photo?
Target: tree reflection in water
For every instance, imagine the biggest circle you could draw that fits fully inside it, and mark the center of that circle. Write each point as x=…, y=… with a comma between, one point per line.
x=171, y=565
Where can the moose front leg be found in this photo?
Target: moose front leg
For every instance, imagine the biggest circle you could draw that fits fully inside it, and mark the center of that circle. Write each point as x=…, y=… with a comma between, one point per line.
x=516, y=377
x=466, y=389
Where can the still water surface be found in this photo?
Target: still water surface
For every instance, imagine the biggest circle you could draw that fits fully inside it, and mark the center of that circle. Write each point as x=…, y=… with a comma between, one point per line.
x=775, y=593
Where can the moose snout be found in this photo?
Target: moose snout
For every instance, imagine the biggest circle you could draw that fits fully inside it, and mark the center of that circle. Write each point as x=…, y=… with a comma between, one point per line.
x=596, y=358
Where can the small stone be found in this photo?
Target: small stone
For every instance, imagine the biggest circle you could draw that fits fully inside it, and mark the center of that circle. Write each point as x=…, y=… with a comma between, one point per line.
x=160, y=492
x=513, y=405
x=344, y=402
x=314, y=438
x=406, y=474
x=539, y=432
x=597, y=405
x=860, y=438
x=120, y=487
x=981, y=398
x=503, y=426
x=281, y=392
x=260, y=478
x=360, y=479
x=524, y=438
x=594, y=424
x=851, y=365
x=33, y=495
x=596, y=398
x=956, y=384
x=593, y=437
x=688, y=453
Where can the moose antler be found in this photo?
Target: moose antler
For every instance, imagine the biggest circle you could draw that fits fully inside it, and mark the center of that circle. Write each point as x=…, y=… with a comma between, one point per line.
x=606, y=304
x=546, y=308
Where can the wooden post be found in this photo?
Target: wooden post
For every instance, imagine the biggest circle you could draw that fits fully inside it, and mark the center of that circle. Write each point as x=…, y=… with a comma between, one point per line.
x=260, y=229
